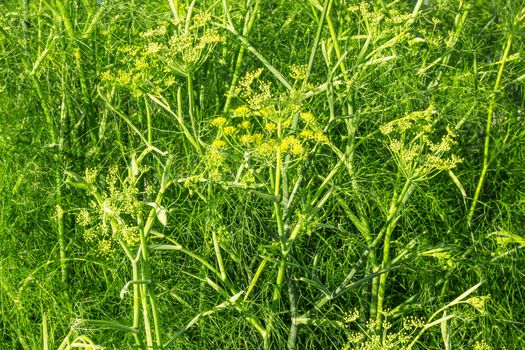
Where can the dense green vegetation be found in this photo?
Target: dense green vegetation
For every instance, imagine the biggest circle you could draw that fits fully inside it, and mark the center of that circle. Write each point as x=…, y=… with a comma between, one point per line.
x=262, y=174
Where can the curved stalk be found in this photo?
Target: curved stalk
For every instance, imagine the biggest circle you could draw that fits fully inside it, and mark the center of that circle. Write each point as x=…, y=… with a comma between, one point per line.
x=486, y=147
x=249, y=21
x=392, y=218
x=191, y=103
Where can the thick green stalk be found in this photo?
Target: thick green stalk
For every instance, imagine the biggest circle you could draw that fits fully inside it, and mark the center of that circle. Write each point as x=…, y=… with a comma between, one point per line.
x=79, y=63
x=144, y=289
x=136, y=302
x=416, y=10
x=392, y=218
x=218, y=255
x=486, y=147
x=335, y=42
x=59, y=158
x=191, y=103
x=277, y=189
x=255, y=278
x=148, y=292
x=282, y=234
x=145, y=314
x=317, y=39
x=249, y=21
x=148, y=121
x=294, y=326
x=257, y=54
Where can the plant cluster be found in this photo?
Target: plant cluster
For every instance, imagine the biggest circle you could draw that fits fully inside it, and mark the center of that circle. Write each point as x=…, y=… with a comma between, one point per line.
x=261, y=174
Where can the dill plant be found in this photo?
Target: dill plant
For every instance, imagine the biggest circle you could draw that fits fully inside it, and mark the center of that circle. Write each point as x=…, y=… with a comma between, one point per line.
x=321, y=174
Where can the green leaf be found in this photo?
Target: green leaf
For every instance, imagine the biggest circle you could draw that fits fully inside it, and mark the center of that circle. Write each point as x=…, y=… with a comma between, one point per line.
x=506, y=237
x=76, y=180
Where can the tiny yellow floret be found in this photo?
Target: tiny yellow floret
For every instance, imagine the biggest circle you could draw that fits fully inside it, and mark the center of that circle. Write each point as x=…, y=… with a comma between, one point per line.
x=218, y=144
x=229, y=130
x=241, y=111
x=219, y=121
x=307, y=117
x=270, y=127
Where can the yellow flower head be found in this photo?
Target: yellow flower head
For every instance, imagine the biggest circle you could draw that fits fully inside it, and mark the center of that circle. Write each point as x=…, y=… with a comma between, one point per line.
x=218, y=144
x=298, y=72
x=287, y=123
x=257, y=138
x=219, y=121
x=270, y=127
x=106, y=75
x=307, y=117
x=296, y=149
x=307, y=134
x=153, y=48
x=246, y=139
x=241, y=111
x=265, y=112
x=320, y=137
x=291, y=144
x=266, y=149
x=229, y=130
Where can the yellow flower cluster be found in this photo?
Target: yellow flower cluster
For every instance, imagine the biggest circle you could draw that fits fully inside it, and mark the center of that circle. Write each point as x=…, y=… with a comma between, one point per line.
x=241, y=111
x=152, y=65
x=217, y=144
x=247, y=139
x=367, y=338
x=292, y=145
x=159, y=31
x=83, y=218
x=153, y=48
x=482, y=345
x=307, y=117
x=479, y=302
x=219, y=121
x=260, y=127
x=215, y=161
x=313, y=136
x=298, y=72
x=229, y=130
x=271, y=127
x=409, y=140
x=266, y=149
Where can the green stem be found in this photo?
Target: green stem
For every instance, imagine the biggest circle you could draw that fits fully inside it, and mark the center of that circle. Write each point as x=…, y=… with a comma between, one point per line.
x=326, y=7
x=279, y=281
x=294, y=326
x=146, y=314
x=255, y=278
x=337, y=49
x=79, y=63
x=282, y=238
x=142, y=257
x=136, y=302
x=218, y=255
x=392, y=218
x=148, y=121
x=58, y=156
x=249, y=21
x=148, y=292
x=257, y=54
x=416, y=10
x=492, y=104
x=191, y=102
x=277, y=190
